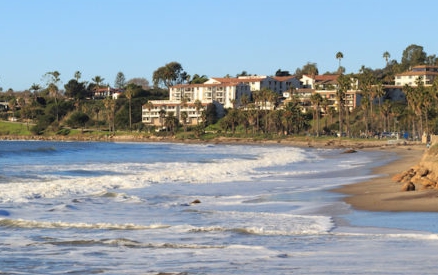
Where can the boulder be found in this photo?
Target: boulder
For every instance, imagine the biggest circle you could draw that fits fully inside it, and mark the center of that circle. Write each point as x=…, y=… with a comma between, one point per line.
x=425, y=182
x=410, y=186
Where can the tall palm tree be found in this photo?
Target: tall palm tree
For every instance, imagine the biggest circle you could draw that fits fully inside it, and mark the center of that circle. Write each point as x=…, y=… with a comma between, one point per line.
x=386, y=56
x=410, y=98
x=316, y=100
x=110, y=105
x=184, y=115
x=344, y=83
x=78, y=75
x=379, y=92
x=53, y=88
x=364, y=103
x=198, y=107
x=129, y=92
x=149, y=106
x=162, y=114
x=339, y=56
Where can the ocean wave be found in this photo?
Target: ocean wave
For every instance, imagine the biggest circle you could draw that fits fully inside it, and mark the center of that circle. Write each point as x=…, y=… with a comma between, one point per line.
x=132, y=244
x=32, y=224
x=385, y=235
x=58, y=180
x=268, y=224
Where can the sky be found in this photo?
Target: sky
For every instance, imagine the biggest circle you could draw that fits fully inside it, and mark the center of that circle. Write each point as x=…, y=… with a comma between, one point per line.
x=207, y=37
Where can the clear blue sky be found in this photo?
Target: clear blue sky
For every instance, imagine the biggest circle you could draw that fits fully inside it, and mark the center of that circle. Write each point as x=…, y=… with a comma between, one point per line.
x=208, y=37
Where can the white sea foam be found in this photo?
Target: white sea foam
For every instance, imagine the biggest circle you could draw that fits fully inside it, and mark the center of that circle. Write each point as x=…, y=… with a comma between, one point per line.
x=32, y=224
x=139, y=175
x=261, y=223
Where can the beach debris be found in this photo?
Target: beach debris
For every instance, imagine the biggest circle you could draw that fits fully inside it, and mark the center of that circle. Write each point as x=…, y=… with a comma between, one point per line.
x=349, y=151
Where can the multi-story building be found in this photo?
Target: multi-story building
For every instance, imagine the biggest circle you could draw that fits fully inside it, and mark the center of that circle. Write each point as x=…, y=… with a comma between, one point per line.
x=326, y=86
x=155, y=111
x=425, y=73
x=225, y=92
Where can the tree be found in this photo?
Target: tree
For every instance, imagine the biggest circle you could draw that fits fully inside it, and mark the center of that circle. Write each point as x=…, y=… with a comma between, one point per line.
x=162, y=114
x=53, y=79
x=196, y=79
x=413, y=55
x=78, y=119
x=316, y=100
x=198, y=107
x=171, y=122
x=78, y=75
x=35, y=88
x=344, y=83
x=75, y=89
x=110, y=106
x=120, y=82
x=98, y=81
x=149, y=105
x=170, y=74
x=139, y=81
x=184, y=115
x=386, y=56
x=308, y=69
x=339, y=56
x=129, y=91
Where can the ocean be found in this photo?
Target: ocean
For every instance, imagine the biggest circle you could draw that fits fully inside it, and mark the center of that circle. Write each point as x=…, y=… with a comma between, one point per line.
x=169, y=208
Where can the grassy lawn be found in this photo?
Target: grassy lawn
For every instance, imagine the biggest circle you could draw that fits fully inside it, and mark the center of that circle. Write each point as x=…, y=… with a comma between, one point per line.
x=14, y=128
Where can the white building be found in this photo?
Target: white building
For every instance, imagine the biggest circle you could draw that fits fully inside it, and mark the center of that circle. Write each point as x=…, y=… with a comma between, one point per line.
x=325, y=85
x=152, y=112
x=225, y=92
x=426, y=73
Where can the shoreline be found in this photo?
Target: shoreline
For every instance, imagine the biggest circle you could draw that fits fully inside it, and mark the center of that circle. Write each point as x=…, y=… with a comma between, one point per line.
x=384, y=194
x=380, y=193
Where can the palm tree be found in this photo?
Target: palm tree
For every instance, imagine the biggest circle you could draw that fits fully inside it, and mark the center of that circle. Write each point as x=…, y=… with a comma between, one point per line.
x=344, y=83
x=316, y=100
x=170, y=122
x=379, y=92
x=53, y=88
x=78, y=75
x=198, y=107
x=110, y=105
x=35, y=88
x=162, y=114
x=97, y=80
x=364, y=104
x=184, y=115
x=149, y=106
x=410, y=98
x=129, y=91
x=339, y=56
x=386, y=56
x=96, y=110
x=385, y=110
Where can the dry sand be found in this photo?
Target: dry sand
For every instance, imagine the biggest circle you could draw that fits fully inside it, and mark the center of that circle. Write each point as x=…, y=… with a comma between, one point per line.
x=384, y=194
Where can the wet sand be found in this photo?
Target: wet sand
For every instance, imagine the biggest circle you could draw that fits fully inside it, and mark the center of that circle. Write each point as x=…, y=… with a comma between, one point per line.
x=384, y=194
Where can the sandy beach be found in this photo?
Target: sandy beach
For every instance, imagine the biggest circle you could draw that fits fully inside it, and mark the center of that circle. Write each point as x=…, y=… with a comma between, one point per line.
x=384, y=194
